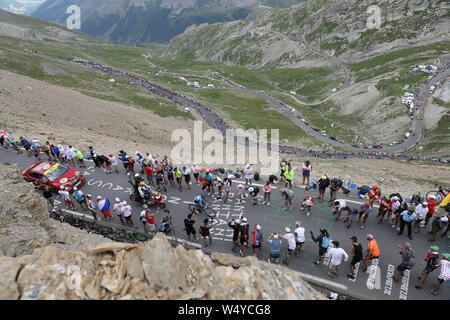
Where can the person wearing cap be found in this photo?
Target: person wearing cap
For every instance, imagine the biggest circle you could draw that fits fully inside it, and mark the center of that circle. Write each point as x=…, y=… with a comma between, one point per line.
x=356, y=251
x=337, y=254
x=394, y=208
x=335, y=186
x=288, y=196
x=243, y=235
x=253, y=192
x=438, y=224
x=374, y=194
x=363, y=212
x=93, y=154
x=373, y=252
x=118, y=209
x=323, y=183
x=189, y=222
x=406, y=219
x=421, y=211
x=432, y=259
x=65, y=195
x=127, y=213
x=307, y=204
x=114, y=163
x=431, y=208
x=248, y=174
x=396, y=216
x=299, y=232
x=275, y=247
x=385, y=207
x=234, y=224
x=187, y=178
x=91, y=205
x=147, y=217
x=79, y=197
x=323, y=239
x=289, y=236
x=205, y=232
x=444, y=275
x=257, y=237
x=408, y=260
x=338, y=206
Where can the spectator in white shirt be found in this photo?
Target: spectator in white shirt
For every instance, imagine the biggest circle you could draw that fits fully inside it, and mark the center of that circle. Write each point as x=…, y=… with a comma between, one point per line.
x=70, y=155
x=300, y=234
x=126, y=212
x=118, y=209
x=248, y=174
x=444, y=275
x=337, y=254
x=114, y=162
x=289, y=236
x=421, y=212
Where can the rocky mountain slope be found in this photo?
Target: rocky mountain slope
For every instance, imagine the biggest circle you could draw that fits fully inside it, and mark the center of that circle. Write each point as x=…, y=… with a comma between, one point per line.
x=41, y=258
x=143, y=21
x=336, y=28
x=25, y=223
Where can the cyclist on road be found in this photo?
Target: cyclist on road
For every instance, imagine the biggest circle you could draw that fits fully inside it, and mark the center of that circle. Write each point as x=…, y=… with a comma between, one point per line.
x=200, y=203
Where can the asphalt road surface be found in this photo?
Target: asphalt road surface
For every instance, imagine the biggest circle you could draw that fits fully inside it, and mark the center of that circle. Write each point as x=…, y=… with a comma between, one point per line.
x=377, y=284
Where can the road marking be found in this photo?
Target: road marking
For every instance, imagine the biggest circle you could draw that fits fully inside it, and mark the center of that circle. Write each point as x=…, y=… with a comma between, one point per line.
x=388, y=283
x=322, y=281
x=356, y=272
x=92, y=182
x=373, y=282
x=118, y=188
x=253, y=184
x=108, y=184
x=174, y=200
x=358, y=202
x=405, y=285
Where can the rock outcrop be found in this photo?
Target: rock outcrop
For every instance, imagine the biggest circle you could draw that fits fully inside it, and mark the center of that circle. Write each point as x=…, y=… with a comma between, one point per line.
x=151, y=270
x=25, y=223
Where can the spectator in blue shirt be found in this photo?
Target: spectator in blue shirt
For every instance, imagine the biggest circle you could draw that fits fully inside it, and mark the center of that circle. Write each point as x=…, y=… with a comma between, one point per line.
x=406, y=219
x=275, y=247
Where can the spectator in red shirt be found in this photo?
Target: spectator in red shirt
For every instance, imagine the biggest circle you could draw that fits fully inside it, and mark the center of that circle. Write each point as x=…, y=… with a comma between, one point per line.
x=374, y=194
x=431, y=208
x=385, y=206
x=149, y=173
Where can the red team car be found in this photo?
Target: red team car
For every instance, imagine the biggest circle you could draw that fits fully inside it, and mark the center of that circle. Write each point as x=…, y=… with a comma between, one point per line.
x=52, y=174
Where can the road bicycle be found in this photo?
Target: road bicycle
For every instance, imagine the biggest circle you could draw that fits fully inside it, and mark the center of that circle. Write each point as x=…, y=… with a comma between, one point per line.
x=127, y=236
x=210, y=212
x=440, y=194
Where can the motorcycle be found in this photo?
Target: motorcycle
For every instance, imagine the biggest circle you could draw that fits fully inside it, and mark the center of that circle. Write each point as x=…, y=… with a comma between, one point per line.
x=152, y=198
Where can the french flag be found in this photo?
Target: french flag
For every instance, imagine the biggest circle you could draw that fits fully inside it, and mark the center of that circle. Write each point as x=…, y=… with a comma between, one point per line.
x=104, y=207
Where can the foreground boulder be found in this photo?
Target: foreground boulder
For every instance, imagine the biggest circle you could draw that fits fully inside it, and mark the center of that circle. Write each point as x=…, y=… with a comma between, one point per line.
x=151, y=270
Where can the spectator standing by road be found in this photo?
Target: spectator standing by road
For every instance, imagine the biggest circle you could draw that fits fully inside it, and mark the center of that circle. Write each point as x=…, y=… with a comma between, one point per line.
x=385, y=206
x=267, y=189
x=234, y=224
x=374, y=195
x=127, y=212
x=243, y=235
x=248, y=174
x=373, y=252
x=421, y=212
x=92, y=207
x=79, y=197
x=406, y=219
x=48, y=195
x=65, y=195
x=364, y=212
x=187, y=177
x=444, y=275
x=432, y=259
x=408, y=260
x=323, y=183
x=337, y=255
x=335, y=186
x=323, y=239
x=93, y=154
x=283, y=167
x=275, y=247
x=289, y=177
x=118, y=209
x=205, y=232
x=189, y=222
x=438, y=224
x=104, y=207
x=195, y=172
x=299, y=232
x=357, y=252
x=289, y=236
x=114, y=162
x=306, y=171
x=257, y=237
x=431, y=208
x=80, y=157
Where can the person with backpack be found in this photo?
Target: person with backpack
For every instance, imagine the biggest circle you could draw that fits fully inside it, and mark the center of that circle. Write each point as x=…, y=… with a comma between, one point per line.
x=275, y=247
x=234, y=224
x=79, y=197
x=257, y=237
x=408, y=260
x=432, y=259
x=288, y=196
x=324, y=241
x=335, y=186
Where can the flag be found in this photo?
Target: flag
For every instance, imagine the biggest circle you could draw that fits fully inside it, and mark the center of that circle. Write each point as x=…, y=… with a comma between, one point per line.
x=104, y=207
